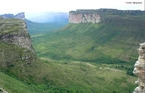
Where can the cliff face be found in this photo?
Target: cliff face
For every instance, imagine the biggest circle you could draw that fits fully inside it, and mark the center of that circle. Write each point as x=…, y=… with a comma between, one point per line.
x=14, y=31
x=99, y=15
x=16, y=51
x=85, y=17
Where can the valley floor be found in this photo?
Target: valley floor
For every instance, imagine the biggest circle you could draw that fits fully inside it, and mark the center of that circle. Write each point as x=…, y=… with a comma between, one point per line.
x=65, y=76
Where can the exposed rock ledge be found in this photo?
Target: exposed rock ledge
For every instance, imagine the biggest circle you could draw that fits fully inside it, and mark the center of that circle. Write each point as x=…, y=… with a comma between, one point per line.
x=14, y=31
x=98, y=15
x=79, y=17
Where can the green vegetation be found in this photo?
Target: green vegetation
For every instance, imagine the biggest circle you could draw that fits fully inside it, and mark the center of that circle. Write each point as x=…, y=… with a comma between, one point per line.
x=13, y=85
x=72, y=77
x=41, y=28
x=85, y=55
x=59, y=76
x=78, y=58
x=104, y=42
x=11, y=26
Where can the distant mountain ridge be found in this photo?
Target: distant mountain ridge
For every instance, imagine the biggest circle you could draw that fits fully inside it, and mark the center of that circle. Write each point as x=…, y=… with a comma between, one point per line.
x=41, y=28
x=48, y=17
x=43, y=22
x=41, y=17
x=19, y=15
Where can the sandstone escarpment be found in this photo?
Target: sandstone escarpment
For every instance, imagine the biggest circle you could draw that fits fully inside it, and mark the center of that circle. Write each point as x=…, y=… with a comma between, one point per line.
x=100, y=15
x=14, y=31
x=84, y=18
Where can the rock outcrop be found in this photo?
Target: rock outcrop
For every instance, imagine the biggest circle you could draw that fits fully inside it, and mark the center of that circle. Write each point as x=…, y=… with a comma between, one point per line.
x=84, y=17
x=2, y=90
x=139, y=70
x=14, y=31
x=20, y=15
x=98, y=15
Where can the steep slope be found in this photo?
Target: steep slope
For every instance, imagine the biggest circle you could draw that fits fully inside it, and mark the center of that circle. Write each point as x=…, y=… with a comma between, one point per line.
x=13, y=85
x=113, y=40
x=17, y=56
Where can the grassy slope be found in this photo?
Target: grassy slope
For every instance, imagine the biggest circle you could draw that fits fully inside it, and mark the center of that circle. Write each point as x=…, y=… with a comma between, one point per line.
x=118, y=38
x=112, y=41
x=72, y=77
x=10, y=26
x=12, y=85
x=63, y=76
x=76, y=76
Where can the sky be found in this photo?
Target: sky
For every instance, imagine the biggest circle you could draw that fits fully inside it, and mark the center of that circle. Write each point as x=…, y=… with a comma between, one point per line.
x=16, y=6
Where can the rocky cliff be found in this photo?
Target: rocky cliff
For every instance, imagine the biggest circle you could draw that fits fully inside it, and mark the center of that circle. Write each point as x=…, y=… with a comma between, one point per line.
x=17, y=56
x=14, y=31
x=84, y=17
x=139, y=70
x=99, y=15
x=16, y=51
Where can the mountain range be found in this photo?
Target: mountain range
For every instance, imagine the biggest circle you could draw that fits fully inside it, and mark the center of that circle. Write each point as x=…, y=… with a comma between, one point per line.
x=93, y=53
x=41, y=17
x=48, y=17
x=41, y=22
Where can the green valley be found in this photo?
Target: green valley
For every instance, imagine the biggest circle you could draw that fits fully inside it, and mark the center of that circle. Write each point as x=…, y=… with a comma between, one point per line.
x=41, y=28
x=75, y=58
x=109, y=42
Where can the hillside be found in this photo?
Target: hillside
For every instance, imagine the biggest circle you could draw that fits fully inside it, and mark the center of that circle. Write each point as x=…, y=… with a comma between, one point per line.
x=35, y=28
x=17, y=56
x=113, y=40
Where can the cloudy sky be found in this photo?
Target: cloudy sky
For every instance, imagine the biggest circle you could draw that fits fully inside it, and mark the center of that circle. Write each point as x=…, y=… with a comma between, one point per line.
x=15, y=6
